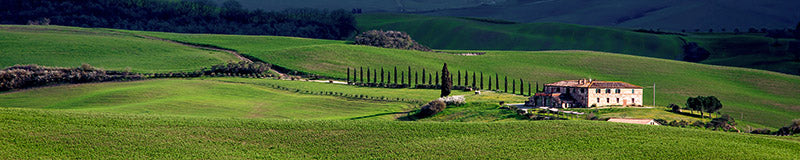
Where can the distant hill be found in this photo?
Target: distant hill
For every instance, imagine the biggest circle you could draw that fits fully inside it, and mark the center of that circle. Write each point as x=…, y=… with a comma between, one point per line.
x=750, y=50
x=668, y=14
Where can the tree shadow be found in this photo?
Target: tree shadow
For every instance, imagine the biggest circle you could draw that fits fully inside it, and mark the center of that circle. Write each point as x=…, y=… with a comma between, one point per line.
x=376, y=115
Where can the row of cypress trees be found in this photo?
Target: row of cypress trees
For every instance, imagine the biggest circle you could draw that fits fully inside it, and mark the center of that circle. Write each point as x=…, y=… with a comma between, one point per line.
x=394, y=78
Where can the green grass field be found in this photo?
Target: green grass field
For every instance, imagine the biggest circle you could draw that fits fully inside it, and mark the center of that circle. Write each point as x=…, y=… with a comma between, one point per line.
x=765, y=98
x=745, y=50
x=198, y=98
x=33, y=134
x=71, y=46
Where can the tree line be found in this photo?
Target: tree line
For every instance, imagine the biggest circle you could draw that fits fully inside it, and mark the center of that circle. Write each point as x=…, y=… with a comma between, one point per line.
x=183, y=16
x=426, y=79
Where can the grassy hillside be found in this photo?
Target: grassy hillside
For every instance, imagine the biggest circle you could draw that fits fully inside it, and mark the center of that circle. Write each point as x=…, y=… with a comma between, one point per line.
x=71, y=47
x=468, y=34
x=765, y=98
x=32, y=134
x=204, y=98
x=745, y=50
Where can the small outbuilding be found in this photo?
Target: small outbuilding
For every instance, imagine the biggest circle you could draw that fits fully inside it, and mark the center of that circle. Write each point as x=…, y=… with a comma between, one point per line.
x=634, y=121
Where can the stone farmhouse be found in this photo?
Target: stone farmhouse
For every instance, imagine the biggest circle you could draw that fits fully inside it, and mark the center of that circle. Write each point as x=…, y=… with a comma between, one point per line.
x=587, y=93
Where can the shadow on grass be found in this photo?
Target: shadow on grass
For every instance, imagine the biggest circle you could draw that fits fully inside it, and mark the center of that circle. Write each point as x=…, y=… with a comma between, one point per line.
x=691, y=115
x=379, y=114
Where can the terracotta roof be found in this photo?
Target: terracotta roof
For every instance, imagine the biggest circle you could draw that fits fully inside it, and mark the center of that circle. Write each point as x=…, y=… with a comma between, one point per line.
x=593, y=84
x=632, y=121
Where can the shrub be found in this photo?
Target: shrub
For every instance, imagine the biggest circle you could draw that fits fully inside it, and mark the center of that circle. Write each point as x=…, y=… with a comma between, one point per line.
x=389, y=39
x=25, y=76
x=661, y=121
x=675, y=108
x=453, y=100
x=761, y=131
x=431, y=108
x=791, y=129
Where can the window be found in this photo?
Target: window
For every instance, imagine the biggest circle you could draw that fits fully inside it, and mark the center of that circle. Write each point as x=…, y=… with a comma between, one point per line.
x=617, y=91
x=617, y=100
x=598, y=100
x=633, y=91
x=633, y=100
x=608, y=90
x=558, y=89
x=598, y=90
x=608, y=100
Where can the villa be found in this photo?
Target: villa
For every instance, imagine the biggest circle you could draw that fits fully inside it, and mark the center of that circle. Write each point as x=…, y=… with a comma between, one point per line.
x=587, y=93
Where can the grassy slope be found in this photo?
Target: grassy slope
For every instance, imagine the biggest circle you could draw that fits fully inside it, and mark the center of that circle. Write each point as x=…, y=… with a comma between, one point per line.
x=31, y=134
x=71, y=46
x=204, y=98
x=766, y=98
x=750, y=51
x=458, y=33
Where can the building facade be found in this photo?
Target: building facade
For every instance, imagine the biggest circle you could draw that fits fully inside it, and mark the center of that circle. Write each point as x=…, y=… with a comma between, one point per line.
x=587, y=93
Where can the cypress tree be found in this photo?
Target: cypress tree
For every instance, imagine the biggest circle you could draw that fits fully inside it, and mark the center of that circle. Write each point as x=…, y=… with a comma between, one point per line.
x=466, y=78
x=395, y=74
x=529, y=89
x=521, y=87
x=423, y=75
x=362, y=74
x=375, y=76
x=348, y=74
x=490, y=82
x=496, y=82
x=459, y=77
x=409, y=76
x=473, y=81
x=368, y=75
x=430, y=79
x=437, y=78
x=513, y=86
x=505, y=84
x=382, y=75
x=481, y=80
x=402, y=78
x=416, y=78
x=388, y=77
x=447, y=81
x=537, y=86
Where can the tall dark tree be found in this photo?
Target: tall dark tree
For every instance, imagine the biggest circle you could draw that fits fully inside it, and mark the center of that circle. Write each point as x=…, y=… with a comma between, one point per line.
x=368, y=71
x=416, y=78
x=497, y=82
x=529, y=89
x=490, y=82
x=375, y=76
x=437, y=82
x=423, y=76
x=395, y=74
x=537, y=87
x=481, y=80
x=513, y=86
x=348, y=74
x=521, y=87
x=430, y=79
x=447, y=82
x=361, y=70
x=459, y=77
x=505, y=84
x=382, y=75
x=473, y=81
x=466, y=78
x=402, y=78
x=409, y=75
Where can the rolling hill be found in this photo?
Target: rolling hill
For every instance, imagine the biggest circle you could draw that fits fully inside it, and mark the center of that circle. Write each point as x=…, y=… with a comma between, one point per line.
x=33, y=134
x=71, y=46
x=765, y=98
x=672, y=15
x=741, y=50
